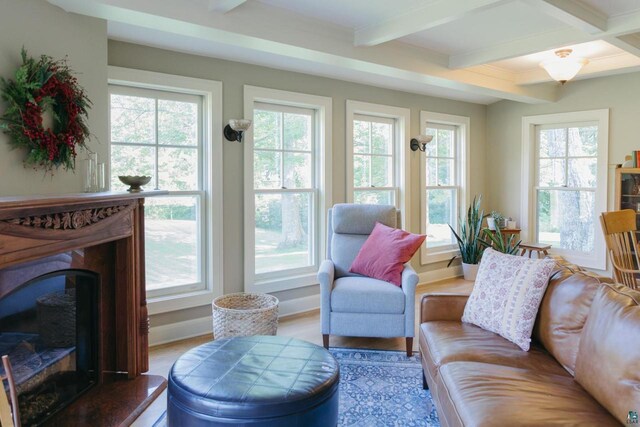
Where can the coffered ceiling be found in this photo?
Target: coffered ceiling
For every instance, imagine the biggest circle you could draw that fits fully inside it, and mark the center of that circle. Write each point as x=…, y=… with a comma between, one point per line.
x=475, y=50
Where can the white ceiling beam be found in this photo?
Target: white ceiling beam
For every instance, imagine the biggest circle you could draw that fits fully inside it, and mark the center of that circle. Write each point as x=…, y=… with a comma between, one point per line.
x=224, y=6
x=248, y=37
x=515, y=48
x=573, y=13
x=416, y=20
x=616, y=26
x=628, y=42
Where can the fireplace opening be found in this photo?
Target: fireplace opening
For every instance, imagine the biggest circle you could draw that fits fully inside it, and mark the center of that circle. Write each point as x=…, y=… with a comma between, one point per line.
x=49, y=330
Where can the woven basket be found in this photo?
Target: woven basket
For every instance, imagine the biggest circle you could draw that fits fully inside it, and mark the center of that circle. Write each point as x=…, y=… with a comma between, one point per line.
x=57, y=318
x=243, y=314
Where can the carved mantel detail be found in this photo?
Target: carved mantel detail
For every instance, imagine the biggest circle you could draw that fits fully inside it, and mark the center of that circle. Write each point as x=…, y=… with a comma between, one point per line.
x=72, y=220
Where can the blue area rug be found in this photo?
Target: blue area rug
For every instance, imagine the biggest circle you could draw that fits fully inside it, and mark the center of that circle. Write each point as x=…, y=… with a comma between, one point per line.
x=382, y=388
x=379, y=388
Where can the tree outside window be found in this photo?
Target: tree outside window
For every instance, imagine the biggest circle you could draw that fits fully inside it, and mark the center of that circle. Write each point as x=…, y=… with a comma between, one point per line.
x=284, y=186
x=566, y=186
x=158, y=133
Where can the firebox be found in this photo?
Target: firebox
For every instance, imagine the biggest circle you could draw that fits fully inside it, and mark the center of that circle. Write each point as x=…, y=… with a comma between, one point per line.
x=48, y=328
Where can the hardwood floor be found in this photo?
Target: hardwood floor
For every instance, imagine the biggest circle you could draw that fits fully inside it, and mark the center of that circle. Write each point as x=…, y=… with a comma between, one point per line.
x=305, y=326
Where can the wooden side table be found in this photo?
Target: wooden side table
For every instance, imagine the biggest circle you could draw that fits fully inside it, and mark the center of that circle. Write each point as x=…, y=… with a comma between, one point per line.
x=506, y=232
x=539, y=248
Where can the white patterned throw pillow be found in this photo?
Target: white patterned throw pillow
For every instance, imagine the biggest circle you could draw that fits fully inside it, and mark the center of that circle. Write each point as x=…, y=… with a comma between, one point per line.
x=507, y=294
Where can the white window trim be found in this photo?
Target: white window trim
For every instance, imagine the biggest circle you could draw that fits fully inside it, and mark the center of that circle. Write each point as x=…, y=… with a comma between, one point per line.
x=402, y=129
x=199, y=194
x=463, y=125
x=211, y=91
x=598, y=259
x=323, y=107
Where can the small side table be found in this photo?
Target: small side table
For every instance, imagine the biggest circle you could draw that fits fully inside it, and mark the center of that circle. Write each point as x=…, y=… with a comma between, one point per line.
x=504, y=231
x=540, y=248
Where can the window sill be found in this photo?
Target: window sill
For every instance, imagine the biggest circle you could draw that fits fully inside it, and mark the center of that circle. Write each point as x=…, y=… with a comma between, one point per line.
x=283, y=283
x=435, y=257
x=598, y=264
x=183, y=301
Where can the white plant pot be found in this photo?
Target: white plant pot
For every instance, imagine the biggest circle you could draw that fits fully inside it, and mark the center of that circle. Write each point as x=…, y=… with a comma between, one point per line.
x=470, y=271
x=491, y=223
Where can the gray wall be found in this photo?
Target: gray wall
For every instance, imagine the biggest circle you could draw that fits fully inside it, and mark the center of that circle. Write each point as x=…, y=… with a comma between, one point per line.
x=45, y=29
x=504, y=132
x=234, y=75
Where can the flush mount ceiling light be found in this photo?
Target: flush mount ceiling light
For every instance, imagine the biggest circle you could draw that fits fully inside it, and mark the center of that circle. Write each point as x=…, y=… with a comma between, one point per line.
x=236, y=127
x=564, y=67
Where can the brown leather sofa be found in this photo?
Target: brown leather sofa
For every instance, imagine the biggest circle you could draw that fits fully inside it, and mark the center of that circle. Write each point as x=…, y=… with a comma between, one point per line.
x=583, y=367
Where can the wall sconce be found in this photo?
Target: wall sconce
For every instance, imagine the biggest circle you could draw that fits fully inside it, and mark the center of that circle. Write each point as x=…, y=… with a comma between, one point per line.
x=420, y=142
x=236, y=127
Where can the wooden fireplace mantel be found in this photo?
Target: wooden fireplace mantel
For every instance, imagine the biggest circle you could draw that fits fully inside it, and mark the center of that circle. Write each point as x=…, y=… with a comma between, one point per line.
x=57, y=199
x=104, y=232
x=32, y=227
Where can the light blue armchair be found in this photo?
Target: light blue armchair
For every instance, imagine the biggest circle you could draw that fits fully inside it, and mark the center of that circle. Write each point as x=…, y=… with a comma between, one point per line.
x=354, y=305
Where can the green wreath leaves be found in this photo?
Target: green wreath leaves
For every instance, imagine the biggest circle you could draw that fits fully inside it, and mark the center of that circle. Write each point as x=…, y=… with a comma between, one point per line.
x=45, y=86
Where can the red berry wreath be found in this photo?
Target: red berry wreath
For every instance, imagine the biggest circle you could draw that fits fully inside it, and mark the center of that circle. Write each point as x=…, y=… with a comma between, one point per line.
x=41, y=86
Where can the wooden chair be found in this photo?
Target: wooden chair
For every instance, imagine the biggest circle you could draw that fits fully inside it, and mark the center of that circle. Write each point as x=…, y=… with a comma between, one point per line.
x=619, y=229
x=9, y=416
x=6, y=417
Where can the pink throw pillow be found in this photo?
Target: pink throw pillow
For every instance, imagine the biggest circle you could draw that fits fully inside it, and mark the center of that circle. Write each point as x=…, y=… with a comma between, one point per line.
x=384, y=253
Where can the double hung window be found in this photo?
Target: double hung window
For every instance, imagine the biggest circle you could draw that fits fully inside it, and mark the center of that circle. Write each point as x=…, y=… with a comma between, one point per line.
x=377, y=157
x=161, y=126
x=445, y=182
x=442, y=190
x=567, y=182
x=287, y=187
x=374, y=160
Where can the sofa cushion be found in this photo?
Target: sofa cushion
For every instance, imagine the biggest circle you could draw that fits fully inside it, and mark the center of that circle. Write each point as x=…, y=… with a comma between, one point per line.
x=608, y=362
x=507, y=294
x=442, y=342
x=366, y=295
x=347, y=218
x=563, y=313
x=482, y=394
x=385, y=252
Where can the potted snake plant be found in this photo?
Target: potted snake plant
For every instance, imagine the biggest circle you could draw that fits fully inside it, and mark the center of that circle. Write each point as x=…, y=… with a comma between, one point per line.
x=500, y=242
x=469, y=241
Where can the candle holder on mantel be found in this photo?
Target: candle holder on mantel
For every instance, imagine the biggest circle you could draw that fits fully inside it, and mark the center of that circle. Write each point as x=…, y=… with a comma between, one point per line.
x=91, y=173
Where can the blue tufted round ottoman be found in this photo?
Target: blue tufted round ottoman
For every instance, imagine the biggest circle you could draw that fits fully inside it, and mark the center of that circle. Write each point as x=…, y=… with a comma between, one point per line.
x=254, y=381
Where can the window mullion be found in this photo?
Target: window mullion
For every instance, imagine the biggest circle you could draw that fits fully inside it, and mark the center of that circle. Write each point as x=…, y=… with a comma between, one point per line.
x=566, y=157
x=157, y=148
x=394, y=158
x=282, y=150
x=370, y=154
x=283, y=190
x=375, y=188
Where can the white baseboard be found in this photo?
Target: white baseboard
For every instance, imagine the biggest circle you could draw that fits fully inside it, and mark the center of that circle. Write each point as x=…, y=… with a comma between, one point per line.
x=299, y=305
x=180, y=330
x=440, y=274
x=203, y=325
